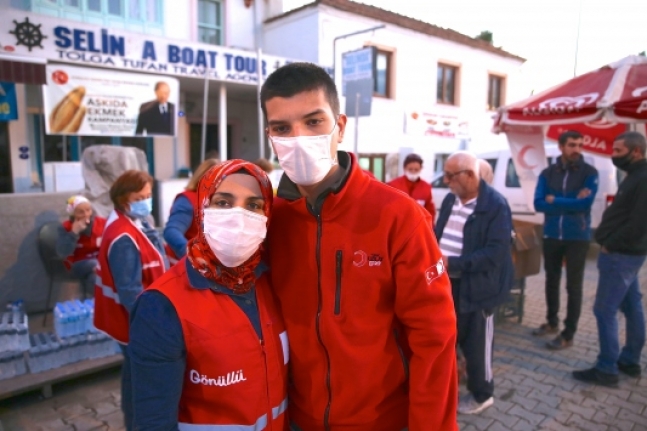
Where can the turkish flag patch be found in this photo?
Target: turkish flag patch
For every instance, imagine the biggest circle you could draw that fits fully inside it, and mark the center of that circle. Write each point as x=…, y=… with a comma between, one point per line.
x=434, y=271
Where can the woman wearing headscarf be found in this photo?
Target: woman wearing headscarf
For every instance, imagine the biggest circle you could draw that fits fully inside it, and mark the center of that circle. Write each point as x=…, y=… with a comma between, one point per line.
x=131, y=258
x=78, y=241
x=208, y=347
x=181, y=225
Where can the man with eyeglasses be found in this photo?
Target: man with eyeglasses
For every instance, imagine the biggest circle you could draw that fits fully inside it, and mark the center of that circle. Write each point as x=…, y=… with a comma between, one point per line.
x=474, y=231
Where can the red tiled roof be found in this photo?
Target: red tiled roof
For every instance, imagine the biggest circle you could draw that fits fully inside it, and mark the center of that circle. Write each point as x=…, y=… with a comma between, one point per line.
x=389, y=17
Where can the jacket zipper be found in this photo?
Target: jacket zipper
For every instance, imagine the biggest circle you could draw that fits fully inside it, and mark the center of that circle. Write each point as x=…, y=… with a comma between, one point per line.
x=338, y=286
x=318, y=324
x=561, y=217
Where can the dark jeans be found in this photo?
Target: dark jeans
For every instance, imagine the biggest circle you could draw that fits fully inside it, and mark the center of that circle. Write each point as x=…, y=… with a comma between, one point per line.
x=618, y=289
x=84, y=270
x=126, y=389
x=555, y=252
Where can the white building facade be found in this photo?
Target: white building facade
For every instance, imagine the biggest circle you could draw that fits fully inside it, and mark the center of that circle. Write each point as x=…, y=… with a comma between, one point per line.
x=436, y=90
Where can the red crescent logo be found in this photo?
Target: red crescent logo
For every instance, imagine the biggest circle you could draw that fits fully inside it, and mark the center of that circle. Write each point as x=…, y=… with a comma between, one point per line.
x=363, y=257
x=521, y=158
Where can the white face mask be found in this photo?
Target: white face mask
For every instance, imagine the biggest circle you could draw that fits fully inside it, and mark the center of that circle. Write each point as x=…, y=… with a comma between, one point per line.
x=233, y=234
x=412, y=177
x=305, y=159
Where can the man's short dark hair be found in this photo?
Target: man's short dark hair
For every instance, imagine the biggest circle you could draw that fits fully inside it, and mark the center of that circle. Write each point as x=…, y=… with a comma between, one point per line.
x=569, y=134
x=633, y=140
x=295, y=78
x=412, y=158
x=158, y=84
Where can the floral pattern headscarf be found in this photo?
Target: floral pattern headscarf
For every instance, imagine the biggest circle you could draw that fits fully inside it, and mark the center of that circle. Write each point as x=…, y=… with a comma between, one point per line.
x=239, y=279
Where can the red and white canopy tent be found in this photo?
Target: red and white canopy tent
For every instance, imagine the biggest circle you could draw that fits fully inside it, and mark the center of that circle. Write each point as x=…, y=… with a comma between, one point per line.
x=600, y=104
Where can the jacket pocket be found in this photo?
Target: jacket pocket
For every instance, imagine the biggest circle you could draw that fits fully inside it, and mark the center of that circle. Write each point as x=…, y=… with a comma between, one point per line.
x=338, y=260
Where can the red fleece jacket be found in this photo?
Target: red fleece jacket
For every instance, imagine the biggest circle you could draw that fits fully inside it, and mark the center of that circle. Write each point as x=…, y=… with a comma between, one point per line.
x=368, y=311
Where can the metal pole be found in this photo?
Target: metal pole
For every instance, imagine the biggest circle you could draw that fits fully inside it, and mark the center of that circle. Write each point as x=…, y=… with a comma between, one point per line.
x=577, y=40
x=343, y=36
x=356, y=145
x=205, y=106
x=222, y=123
x=261, y=134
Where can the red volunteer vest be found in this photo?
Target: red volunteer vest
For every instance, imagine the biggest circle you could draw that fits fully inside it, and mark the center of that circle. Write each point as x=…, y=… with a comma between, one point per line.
x=109, y=315
x=420, y=191
x=87, y=247
x=231, y=379
x=193, y=228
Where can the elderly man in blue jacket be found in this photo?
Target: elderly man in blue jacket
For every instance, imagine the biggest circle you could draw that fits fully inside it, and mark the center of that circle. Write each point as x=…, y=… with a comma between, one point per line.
x=474, y=231
x=565, y=193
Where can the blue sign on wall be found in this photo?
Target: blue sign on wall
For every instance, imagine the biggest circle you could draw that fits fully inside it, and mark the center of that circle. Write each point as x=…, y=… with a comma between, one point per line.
x=8, y=105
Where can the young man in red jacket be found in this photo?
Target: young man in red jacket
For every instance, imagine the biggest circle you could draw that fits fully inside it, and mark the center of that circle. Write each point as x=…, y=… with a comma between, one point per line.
x=413, y=185
x=358, y=275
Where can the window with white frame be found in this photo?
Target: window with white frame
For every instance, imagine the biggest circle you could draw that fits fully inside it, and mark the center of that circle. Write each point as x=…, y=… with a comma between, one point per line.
x=134, y=14
x=210, y=21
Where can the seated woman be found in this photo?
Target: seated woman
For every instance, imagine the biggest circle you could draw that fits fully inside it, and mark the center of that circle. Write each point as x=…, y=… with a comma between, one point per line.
x=181, y=227
x=78, y=241
x=208, y=347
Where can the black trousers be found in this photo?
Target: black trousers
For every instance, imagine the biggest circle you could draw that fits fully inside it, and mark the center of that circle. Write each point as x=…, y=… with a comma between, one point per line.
x=475, y=337
x=574, y=253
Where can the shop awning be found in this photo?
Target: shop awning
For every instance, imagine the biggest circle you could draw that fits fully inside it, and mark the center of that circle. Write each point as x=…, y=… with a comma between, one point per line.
x=22, y=71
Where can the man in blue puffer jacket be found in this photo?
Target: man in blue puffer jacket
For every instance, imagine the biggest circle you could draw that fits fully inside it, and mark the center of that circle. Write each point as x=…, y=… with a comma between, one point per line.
x=565, y=193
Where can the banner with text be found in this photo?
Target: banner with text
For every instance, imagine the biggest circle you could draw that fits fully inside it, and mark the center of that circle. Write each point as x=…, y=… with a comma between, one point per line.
x=91, y=102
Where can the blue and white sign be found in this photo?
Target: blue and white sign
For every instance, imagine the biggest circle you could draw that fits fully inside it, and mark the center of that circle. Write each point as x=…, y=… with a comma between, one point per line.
x=8, y=105
x=89, y=45
x=358, y=81
x=357, y=65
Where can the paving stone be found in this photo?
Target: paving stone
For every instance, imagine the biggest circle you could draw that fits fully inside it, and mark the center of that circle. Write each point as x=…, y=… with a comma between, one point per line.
x=532, y=418
x=87, y=423
x=114, y=420
x=104, y=407
x=71, y=411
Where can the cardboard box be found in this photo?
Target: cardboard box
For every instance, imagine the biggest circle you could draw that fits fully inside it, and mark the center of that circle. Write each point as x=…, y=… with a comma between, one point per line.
x=526, y=248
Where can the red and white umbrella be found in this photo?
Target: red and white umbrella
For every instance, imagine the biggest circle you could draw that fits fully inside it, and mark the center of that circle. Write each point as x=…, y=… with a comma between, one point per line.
x=616, y=93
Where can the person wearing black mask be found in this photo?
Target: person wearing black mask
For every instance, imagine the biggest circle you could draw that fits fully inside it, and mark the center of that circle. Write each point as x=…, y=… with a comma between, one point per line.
x=622, y=235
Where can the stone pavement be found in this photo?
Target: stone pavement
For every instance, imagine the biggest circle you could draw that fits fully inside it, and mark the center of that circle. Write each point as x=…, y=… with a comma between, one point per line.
x=534, y=389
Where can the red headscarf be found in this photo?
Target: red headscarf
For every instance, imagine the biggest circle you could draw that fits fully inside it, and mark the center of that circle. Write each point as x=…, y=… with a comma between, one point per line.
x=239, y=279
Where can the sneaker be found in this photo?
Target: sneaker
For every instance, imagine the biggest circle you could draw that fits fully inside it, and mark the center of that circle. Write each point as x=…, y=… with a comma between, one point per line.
x=469, y=406
x=632, y=370
x=545, y=329
x=593, y=375
x=559, y=343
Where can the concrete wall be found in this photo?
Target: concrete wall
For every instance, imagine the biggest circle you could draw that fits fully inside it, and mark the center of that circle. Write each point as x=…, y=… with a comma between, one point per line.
x=22, y=274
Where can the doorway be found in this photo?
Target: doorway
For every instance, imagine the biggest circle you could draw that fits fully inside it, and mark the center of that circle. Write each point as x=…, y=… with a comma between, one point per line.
x=212, y=142
x=6, y=180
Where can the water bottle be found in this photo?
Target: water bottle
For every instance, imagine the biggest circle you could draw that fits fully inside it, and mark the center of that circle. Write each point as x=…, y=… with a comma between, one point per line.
x=23, y=331
x=89, y=303
x=4, y=332
x=34, y=354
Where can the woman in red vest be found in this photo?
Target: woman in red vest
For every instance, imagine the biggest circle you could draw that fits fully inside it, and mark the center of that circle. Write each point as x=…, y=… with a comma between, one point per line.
x=78, y=241
x=181, y=226
x=207, y=345
x=131, y=258
x=413, y=185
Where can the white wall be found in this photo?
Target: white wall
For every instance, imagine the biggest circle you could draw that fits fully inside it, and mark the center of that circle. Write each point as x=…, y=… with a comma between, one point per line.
x=295, y=36
x=415, y=62
x=179, y=17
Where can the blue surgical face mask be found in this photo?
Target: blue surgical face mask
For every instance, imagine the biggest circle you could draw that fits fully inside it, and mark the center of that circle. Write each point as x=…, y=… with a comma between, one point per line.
x=141, y=209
